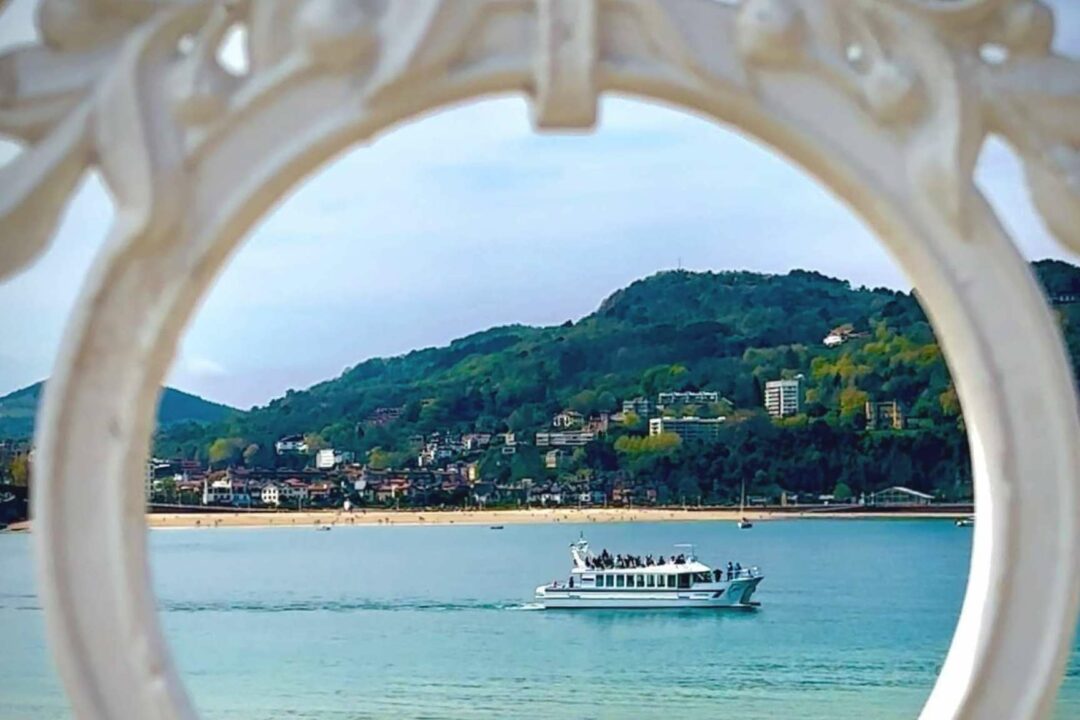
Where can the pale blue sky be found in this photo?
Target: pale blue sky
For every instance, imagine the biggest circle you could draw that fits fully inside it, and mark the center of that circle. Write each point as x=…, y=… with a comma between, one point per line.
x=468, y=219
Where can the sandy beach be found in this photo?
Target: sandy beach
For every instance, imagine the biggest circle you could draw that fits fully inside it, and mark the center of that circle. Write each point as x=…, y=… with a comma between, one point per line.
x=509, y=517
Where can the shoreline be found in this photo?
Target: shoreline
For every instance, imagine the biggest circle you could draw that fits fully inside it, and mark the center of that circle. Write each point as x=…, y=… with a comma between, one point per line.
x=363, y=517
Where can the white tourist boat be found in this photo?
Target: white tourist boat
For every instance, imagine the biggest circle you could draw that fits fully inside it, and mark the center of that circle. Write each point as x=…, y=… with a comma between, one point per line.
x=680, y=581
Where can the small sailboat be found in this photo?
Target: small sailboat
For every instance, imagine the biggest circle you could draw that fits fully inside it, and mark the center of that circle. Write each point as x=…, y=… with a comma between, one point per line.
x=743, y=523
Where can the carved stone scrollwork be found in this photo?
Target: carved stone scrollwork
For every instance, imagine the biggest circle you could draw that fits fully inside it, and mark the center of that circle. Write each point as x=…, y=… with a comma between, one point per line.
x=566, y=93
x=886, y=102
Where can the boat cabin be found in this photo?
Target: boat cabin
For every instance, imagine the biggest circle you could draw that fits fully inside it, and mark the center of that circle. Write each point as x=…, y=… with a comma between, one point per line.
x=682, y=572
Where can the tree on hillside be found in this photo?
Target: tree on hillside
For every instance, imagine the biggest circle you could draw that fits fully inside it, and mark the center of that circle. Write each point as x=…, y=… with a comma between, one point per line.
x=226, y=451
x=527, y=463
x=379, y=459
x=649, y=444
x=524, y=418
x=853, y=404
x=606, y=402
x=584, y=402
x=841, y=493
x=251, y=454
x=315, y=442
x=19, y=470
x=167, y=491
x=950, y=401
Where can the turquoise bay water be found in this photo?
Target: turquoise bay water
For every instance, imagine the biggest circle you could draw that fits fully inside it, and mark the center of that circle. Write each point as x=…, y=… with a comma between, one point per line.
x=435, y=622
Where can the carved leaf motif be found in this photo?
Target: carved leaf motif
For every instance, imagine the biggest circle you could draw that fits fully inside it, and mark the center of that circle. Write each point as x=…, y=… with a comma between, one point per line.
x=945, y=147
x=909, y=80
x=139, y=142
x=39, y=88
x=427, y=33
x=51, y=95
x=1035, y=103
x=35, y=187
x=270, y=35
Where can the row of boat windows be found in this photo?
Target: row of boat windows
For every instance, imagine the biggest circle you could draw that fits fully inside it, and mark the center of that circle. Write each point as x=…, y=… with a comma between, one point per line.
x=681, y=581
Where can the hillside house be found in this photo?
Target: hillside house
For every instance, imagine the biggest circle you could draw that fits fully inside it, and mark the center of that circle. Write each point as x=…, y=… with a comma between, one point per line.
x=568, y=419
x=291, y=445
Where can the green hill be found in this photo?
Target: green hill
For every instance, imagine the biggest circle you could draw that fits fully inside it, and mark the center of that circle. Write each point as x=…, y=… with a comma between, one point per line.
x=18, y=410
x=727, y=331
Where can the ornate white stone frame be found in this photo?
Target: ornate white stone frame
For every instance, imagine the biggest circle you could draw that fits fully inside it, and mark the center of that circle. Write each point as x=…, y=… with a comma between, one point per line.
x=887, y=102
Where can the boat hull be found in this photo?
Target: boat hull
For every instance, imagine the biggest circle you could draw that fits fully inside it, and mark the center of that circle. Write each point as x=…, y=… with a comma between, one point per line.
x=735, y=595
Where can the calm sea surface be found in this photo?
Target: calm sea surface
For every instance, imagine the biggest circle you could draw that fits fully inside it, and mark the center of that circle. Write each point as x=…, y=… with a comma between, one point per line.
x=435, y=622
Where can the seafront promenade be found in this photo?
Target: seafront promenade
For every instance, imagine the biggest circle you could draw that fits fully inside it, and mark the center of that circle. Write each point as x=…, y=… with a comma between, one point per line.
x=520, y=517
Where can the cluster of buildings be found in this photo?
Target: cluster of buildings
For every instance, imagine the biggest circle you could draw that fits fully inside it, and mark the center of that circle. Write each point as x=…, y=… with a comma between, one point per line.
x=571, y=429
x=188, y=482
x=447, y=463
x=667, y=414
x=613, y=489
x=783, y=398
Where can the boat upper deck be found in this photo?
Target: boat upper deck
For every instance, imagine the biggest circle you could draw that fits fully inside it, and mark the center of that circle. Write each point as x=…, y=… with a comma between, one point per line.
x=606, y=563
x=668, y=568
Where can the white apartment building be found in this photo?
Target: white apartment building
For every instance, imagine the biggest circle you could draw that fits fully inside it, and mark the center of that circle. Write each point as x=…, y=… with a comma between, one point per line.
x=687, y=428
x=667, y=399
x=640, y=406
x=571, y=438
x=784, y=397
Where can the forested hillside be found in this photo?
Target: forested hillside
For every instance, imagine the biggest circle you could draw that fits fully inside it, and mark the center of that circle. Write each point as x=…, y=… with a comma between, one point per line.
x=729, y=332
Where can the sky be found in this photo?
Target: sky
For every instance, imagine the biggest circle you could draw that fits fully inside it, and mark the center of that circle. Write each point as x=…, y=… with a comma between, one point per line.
x=468, y=219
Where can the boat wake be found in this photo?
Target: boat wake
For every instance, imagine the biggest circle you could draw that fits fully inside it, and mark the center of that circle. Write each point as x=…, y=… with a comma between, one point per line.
x=337, y=606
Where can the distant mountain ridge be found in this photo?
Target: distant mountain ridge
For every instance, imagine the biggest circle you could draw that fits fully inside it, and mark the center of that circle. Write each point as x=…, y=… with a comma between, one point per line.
x=18, y=410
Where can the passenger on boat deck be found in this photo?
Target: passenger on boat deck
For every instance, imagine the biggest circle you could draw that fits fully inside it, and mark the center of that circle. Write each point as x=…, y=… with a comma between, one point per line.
x=738, y=569
x=730, y=570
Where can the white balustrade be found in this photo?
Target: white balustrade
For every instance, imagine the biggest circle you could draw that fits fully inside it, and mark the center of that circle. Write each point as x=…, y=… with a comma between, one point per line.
x=885, y=102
